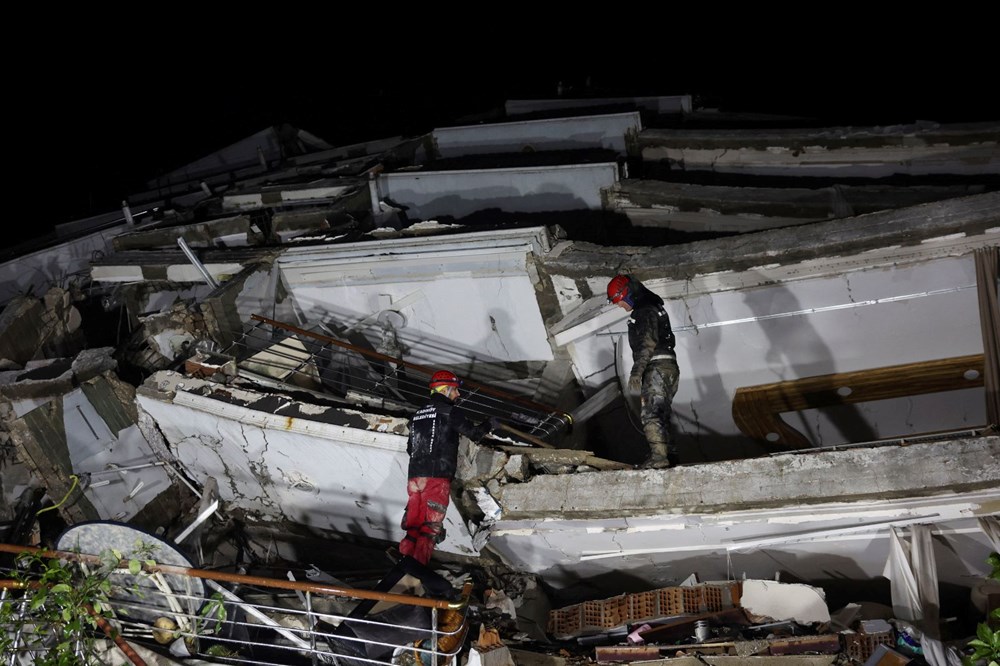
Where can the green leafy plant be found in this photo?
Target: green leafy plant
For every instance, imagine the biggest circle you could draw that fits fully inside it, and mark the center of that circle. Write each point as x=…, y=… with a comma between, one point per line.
x=986, y=644
x=62, y=607
x=209, y=622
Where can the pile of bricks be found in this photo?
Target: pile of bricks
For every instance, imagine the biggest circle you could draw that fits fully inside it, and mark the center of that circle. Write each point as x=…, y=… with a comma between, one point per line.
x=593, y=617
x=861, y=644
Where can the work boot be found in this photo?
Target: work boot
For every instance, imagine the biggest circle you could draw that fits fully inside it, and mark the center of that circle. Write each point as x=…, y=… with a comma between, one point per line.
x=656, y=463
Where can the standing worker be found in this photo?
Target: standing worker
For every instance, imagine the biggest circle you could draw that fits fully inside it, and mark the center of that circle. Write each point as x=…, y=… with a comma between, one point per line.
x=433, y=450
x=654, y=371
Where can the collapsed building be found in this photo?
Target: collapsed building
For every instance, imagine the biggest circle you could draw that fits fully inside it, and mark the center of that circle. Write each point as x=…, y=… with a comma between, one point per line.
x=230, y=362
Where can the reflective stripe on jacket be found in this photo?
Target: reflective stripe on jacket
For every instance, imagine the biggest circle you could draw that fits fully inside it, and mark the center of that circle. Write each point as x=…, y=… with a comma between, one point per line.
x=649, y=335
x=433, y=441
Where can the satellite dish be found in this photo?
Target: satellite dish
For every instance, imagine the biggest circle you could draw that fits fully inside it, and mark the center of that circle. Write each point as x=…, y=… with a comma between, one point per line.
x=154, y=596
x=392, y=318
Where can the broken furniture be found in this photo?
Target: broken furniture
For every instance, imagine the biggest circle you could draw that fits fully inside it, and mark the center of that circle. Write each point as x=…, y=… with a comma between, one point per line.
x=757, y=409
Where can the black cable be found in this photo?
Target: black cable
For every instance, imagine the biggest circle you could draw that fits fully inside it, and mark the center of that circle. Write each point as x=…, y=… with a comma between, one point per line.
x=618, y=377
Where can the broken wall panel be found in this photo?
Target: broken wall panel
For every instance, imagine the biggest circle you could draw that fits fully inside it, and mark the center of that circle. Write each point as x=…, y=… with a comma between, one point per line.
x=471, y=298
x=253, y=152
x=278, y=460
x=73, y=444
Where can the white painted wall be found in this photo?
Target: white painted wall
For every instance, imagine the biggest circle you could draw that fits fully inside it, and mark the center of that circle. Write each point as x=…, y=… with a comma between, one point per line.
x=607, y=131
x=275, y=467
x=431, y=194
x=468, y=298
x=852, y=321
x=814, y=542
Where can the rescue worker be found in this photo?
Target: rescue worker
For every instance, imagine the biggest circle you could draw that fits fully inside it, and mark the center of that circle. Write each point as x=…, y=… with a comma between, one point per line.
x=433, y=451
x=654, y=371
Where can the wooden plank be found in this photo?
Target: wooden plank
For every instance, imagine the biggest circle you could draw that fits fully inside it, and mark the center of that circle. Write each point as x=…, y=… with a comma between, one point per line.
x=757, y=409
x=605, y=464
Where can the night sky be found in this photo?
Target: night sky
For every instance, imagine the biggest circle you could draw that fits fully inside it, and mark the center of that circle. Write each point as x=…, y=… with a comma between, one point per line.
x=94, y=124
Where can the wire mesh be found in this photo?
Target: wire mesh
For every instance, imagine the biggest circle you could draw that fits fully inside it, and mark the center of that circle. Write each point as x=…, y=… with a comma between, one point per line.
x=317, y=361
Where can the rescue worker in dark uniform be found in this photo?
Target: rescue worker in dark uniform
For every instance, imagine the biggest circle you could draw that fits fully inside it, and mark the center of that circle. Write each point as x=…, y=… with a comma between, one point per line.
x=433, y=450
x=654, y=371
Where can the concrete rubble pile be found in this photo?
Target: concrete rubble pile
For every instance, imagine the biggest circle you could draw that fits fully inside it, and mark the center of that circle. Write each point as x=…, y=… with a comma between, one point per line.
x=727, y=622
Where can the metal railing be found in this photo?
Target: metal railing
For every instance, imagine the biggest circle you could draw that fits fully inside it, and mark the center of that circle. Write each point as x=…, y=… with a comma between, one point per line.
x=280, y=351
x=241, y=619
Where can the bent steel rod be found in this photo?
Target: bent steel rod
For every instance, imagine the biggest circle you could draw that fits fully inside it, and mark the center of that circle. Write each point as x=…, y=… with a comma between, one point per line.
x=392, y=359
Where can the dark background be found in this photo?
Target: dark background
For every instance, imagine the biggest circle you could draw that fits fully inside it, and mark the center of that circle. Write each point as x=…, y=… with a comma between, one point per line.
x=107, y=110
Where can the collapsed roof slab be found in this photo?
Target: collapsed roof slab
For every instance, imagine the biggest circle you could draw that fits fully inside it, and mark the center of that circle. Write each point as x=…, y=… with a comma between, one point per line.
x=314, y=193
x=174, y=266
x=814, y=516
x=660, y=104
x=910, y=228
x=695, y=208
x=873, y=152
x=235, y=231
x=430, y=194
x=613, y=131
x=255, y=151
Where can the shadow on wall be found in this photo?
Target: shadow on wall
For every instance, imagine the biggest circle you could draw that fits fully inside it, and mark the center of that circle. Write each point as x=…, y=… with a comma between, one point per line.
x=797, y=350
x=696, y=441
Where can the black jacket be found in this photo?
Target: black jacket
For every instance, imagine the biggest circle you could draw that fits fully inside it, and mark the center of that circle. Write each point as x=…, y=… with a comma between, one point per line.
x=433, y=442
x=649, y=332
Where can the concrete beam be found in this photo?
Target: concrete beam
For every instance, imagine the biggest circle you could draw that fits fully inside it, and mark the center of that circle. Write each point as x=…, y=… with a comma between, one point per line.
x=831, y=476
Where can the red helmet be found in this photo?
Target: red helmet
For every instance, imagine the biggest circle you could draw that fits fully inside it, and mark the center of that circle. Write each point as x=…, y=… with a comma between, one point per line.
x=444, y=378
x=618, y=289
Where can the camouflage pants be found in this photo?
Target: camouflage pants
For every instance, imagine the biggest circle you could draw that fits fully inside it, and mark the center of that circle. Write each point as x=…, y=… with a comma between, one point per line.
x=659, y=385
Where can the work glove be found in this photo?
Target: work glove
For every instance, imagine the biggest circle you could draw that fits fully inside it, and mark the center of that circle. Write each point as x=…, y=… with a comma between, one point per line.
x=635, y=384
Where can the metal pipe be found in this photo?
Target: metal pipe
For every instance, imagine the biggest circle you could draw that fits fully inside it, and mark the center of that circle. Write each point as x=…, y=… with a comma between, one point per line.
x=197, y=263
x=525, y=436
x=113, y=635
x=424, y=369
x=253, y=612
x=115, y=470
x=316, y=588
x=202, y=517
